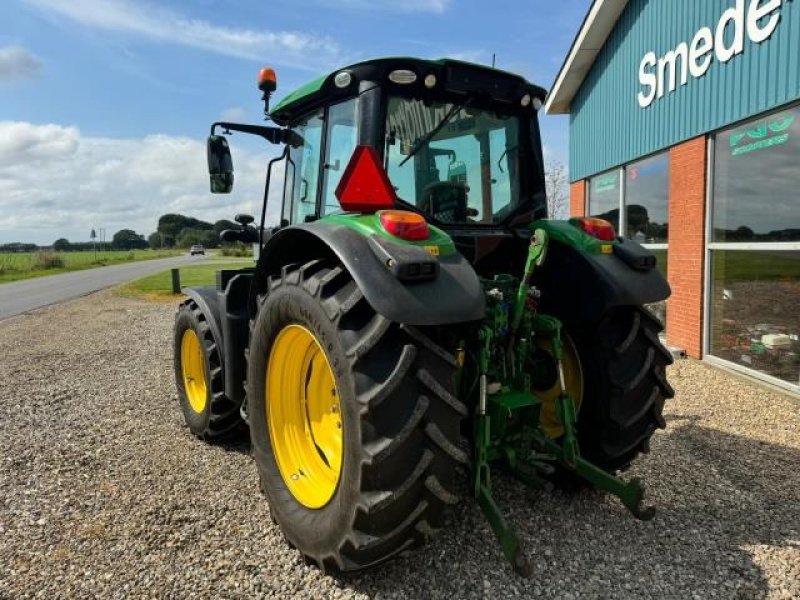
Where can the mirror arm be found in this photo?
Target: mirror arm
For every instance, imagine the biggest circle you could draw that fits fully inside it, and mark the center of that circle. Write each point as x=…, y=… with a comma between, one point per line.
x=282, y=156
x=274, y=135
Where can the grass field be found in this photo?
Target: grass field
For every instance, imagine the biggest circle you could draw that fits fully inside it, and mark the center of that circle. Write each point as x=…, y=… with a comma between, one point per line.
x=747, y=265
x=159, y=286
x=24, y=265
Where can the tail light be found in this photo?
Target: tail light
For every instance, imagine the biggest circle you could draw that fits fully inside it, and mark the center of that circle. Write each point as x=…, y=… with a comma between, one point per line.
x=404, y=224
x=598, y=228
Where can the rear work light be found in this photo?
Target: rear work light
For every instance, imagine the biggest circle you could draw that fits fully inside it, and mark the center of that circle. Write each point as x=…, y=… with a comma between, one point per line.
x=404, y=224
x=598, y=228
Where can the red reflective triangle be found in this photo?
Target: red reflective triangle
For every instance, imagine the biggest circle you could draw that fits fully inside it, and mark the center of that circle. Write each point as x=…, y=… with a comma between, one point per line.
x=365, y=186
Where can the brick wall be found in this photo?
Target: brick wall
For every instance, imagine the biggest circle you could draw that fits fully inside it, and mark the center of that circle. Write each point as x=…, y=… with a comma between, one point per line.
x=577, y=198
x=687, y=201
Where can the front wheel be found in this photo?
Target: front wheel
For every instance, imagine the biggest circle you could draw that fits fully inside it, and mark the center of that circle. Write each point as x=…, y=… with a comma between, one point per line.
x=355, y=428
x=208, y=412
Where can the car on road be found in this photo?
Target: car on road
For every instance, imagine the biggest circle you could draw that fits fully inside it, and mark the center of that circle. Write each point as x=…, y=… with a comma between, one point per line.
x=197, y=249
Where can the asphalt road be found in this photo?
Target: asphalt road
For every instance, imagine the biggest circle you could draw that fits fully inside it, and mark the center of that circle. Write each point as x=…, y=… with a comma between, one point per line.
x=21, y=296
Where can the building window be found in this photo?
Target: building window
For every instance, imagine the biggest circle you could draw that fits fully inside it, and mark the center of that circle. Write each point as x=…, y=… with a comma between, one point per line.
x=754, y=246
x=643, y=202
x=756, y=176
x=647, y=199
x=646, y=211
x=604, y=197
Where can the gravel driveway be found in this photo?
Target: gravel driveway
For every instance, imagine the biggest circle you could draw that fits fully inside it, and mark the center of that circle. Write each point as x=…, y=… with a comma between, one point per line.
x=103, y=493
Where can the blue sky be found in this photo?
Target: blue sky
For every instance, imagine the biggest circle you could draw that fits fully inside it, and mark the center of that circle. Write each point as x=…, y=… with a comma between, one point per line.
x=104, y=104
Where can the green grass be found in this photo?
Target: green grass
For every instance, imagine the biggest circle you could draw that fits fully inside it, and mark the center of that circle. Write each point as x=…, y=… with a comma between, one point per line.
x=24, y=265
x=747, y=265
x=159, y=286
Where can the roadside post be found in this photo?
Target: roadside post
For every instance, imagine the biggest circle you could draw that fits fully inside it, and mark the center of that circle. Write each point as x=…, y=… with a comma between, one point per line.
x=176, y=281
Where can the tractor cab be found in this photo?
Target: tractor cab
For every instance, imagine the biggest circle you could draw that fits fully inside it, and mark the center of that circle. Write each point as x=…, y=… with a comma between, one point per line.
x=459, y=142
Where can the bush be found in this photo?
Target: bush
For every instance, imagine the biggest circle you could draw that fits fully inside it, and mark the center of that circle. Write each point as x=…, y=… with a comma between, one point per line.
x=47, y=260
x=236, y=249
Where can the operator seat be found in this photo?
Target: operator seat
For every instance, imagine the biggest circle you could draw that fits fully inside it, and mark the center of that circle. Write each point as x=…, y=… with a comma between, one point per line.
x=446, y=201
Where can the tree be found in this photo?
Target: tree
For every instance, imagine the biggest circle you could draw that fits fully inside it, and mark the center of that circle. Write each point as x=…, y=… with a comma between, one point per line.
x=555, y=179
x=223, y=224
x=172, y=224
x=128, y=239
x=189, y=237
x=61, y=245
x=155, y=240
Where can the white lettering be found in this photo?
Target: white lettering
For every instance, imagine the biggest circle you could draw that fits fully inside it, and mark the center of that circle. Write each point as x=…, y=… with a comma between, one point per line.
x=733, y=15
x=658, y=76
x=647, y=80
x=669, y=61
x=755, y=13
x=701, y=46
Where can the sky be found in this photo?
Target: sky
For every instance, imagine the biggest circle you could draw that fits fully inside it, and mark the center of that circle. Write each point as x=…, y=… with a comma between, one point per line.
x=105, y=104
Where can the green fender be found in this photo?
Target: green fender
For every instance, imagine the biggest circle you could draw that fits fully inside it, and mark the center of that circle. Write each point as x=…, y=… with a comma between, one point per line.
x=453, y=295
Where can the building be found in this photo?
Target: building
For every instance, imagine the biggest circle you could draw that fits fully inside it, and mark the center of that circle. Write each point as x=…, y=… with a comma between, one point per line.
x=685, y=133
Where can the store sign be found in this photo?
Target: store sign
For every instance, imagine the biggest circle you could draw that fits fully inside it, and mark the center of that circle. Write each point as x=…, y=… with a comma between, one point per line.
x=661, y=75
x=764, y=134
x=603, y=183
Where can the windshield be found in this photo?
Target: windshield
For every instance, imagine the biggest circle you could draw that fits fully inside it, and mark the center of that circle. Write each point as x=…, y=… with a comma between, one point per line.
x=466, y=172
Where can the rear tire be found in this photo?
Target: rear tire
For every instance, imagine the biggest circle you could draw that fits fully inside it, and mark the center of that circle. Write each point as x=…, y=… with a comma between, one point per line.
x=625, y=386
x=401, y=442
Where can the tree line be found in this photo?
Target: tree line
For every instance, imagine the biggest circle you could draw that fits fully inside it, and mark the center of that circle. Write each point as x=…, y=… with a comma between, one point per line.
x=173, y=231
x=180, y=231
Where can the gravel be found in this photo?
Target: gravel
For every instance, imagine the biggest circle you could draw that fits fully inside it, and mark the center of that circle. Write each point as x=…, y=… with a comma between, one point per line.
x=103, y=492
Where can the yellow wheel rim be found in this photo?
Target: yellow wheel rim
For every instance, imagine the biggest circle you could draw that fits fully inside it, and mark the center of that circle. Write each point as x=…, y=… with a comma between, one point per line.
x=304, y=417
x=573, y=380
x=194, y=371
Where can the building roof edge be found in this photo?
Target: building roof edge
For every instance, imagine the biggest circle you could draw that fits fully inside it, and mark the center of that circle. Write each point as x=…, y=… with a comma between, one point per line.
x=592, y=35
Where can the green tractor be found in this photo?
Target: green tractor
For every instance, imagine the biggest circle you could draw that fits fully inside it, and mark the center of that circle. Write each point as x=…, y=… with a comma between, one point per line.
x=415, y=319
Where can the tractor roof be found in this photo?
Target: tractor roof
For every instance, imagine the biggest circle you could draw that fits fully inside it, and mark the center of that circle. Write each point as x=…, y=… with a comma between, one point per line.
x=322, y=90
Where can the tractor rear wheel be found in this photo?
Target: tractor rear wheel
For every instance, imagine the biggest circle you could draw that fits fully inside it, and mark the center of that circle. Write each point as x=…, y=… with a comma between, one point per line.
x=624, y=386
x=208, y=413
x=355, y=428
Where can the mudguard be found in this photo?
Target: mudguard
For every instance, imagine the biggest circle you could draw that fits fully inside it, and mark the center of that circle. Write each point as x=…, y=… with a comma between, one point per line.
x=454, y=295
x=577, y=285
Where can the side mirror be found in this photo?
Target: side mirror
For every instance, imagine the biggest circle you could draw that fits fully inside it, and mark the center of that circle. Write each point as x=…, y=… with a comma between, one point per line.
x=220, y=164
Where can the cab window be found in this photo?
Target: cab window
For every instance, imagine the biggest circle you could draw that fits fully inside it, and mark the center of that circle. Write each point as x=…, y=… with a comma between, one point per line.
x=302, y=169
x=456, y=164
x=340, y=141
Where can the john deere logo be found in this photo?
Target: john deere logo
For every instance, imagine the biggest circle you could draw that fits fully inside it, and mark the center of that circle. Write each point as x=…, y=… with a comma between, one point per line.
x=765, y=134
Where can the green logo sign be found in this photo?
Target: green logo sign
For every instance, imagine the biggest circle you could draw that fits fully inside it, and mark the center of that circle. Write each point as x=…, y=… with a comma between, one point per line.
x=765, y=133
x=603, y=183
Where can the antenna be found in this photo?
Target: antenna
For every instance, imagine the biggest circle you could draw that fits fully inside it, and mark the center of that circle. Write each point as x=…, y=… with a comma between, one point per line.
x=493, y=57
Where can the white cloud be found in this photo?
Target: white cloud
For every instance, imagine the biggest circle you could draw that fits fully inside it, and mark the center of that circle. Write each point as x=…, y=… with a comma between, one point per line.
x=55, y=182
x=18, y=63
x=406, y=6
x=146, y=19
x=22, y=143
